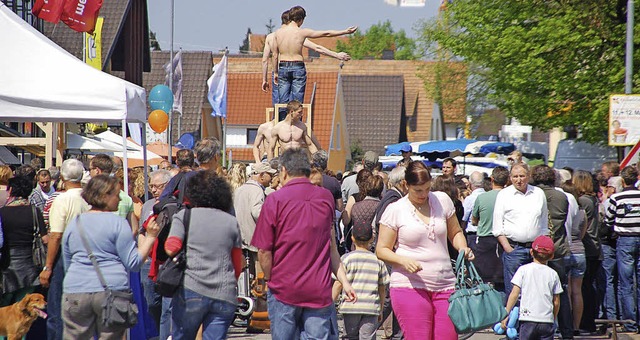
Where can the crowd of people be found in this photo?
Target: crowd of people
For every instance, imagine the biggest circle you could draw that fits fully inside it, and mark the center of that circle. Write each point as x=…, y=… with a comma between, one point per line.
x=366, y=246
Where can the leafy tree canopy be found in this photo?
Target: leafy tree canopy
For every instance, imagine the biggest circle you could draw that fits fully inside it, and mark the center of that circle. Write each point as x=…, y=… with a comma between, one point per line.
x=376, y=39
x=547, y=63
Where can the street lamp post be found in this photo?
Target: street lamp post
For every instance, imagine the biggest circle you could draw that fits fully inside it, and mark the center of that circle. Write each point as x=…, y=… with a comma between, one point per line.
x=628, y=65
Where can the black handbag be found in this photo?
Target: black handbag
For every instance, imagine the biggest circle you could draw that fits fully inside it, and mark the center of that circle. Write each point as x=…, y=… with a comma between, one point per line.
x=38, y=248
x=119, y=311
x=171, y=273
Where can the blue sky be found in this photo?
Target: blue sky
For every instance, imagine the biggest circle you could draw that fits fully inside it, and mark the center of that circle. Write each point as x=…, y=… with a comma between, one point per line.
x=210, y=25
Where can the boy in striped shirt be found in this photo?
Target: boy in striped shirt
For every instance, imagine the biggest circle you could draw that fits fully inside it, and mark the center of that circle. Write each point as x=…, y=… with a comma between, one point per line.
x=368, y=276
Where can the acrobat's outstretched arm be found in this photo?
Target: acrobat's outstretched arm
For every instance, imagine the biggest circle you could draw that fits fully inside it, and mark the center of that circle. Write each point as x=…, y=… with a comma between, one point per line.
x=309, y=33
x=323, y=50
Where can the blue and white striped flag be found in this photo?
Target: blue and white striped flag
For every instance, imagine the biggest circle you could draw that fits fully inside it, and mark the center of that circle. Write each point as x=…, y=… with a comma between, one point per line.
x=218, y=89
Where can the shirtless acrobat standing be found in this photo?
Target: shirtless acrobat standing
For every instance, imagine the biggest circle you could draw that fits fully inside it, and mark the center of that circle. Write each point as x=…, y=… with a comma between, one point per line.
x=287, y=46
x=291, y=132
x=261, y=143
x=266, y=53
x=263, y=135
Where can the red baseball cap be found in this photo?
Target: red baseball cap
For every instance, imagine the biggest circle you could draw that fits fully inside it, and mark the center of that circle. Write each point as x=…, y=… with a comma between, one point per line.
x=543, y=245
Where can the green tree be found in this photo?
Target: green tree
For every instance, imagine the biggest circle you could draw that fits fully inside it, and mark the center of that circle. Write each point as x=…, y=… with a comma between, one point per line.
x=378, y=38
x=547, y=63
x=244, y=48
x=270, y=26
x=356, y=153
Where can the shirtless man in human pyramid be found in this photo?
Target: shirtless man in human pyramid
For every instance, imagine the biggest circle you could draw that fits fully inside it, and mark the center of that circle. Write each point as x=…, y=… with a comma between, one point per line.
x=287, y=48
x=291, y=132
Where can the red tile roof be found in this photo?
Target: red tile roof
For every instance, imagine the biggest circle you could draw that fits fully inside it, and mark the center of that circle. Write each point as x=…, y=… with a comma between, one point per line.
x=246, y=103
x=418, y=97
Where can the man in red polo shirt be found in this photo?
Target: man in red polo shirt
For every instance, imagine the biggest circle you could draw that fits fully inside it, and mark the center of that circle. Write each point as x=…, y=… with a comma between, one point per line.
x=297, y=252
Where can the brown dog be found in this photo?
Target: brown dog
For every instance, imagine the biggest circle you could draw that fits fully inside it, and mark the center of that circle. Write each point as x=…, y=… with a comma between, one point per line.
x=15, y=320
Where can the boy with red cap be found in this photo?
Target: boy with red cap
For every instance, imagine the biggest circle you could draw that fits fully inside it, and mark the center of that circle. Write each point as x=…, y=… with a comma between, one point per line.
x=540, y=288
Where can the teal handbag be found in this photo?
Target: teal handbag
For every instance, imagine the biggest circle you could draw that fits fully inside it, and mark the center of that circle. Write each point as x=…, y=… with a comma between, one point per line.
x=474, y=305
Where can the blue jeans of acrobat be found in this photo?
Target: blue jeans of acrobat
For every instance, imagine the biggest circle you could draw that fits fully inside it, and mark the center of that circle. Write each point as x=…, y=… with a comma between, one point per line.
x=274, y=90
x=191, y=309
x=292, y=81
x=292, y=322
x=628, y=254
x=511, y=262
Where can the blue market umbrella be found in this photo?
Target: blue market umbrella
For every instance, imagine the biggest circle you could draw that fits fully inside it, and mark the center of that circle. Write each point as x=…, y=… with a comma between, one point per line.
x=498, y=147
x=394, y=149
x=443, y=148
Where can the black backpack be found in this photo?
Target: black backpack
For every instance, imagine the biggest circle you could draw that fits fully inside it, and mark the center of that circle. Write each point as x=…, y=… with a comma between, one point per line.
x=165, y=209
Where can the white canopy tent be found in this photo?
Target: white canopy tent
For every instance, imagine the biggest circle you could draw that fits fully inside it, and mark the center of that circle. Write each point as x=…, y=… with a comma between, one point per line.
x=41, y=82
x=86, y=143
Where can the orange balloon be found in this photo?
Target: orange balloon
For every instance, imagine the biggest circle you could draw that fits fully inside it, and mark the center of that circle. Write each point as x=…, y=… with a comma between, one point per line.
x=158, y=120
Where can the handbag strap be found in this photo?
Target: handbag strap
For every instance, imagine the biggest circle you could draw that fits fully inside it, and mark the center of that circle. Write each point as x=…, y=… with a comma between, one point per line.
x=92, y=257
x=461, y=265
x=36, y=223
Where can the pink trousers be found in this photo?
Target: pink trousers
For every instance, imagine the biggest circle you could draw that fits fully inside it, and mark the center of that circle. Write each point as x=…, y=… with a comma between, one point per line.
x=423, y=314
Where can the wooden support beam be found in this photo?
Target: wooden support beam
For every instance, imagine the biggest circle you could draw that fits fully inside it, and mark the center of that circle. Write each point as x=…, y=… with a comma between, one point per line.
x=23, y=141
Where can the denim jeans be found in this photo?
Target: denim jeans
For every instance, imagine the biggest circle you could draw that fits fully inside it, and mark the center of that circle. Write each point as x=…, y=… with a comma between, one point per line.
x=536, y=330
x=274, y=90
x=590, y=294
x=291, y=322
x=565, y=317
x=161, y=316
x=292, y=81
x=607, y=282
x=628, y=251
x=511, y=262
x=54, y=302
x=192, y=309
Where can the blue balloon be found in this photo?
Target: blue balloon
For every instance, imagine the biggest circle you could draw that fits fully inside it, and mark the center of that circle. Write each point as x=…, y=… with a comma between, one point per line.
x=161, y=98
x=513, y=317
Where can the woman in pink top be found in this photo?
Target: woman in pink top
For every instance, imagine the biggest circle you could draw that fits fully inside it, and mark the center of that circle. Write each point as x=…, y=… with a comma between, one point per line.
x=417, y=226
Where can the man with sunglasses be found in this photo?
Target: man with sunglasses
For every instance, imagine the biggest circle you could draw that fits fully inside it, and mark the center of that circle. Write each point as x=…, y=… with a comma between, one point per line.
x=157, y=182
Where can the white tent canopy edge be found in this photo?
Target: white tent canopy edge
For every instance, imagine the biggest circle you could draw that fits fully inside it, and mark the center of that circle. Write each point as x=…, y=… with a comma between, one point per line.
x=41, y=82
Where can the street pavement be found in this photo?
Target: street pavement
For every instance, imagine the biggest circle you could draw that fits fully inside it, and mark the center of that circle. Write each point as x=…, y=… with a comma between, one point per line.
x=238, y=333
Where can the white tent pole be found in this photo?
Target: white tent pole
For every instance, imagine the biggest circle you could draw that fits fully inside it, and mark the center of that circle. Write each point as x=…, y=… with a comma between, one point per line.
x=170, y=129
x=224, y=142
x=125, y=162
x=143, y=131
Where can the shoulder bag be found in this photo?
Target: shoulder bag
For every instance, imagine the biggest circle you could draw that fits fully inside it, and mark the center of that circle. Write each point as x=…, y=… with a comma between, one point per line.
x=474, y=305
x=119, y=311
x=38, y=248
x=171, y=273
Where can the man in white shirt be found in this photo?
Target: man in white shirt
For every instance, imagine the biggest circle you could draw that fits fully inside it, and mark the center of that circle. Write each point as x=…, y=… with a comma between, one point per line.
x=519, y=216
x=64, y=208
x=476, y=180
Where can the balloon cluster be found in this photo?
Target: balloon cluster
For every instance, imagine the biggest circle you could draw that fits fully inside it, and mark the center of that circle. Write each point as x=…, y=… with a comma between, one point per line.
x=161, y=102
x=512, y=332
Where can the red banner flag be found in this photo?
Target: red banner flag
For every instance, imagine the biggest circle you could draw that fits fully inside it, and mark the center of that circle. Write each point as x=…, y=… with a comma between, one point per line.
x=81, y=15
x=48, y=10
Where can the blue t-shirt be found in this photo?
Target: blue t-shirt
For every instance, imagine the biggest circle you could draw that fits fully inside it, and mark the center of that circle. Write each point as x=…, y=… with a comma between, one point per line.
x=111, y=241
